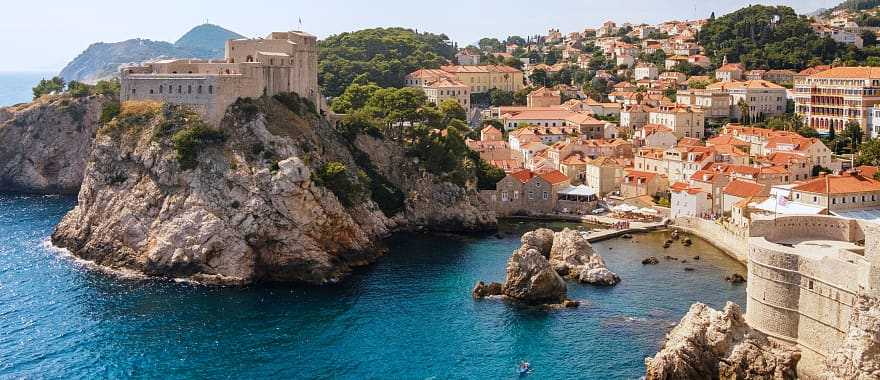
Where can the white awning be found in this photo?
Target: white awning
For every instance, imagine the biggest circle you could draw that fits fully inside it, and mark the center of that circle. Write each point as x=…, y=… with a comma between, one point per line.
x=581, y=190
x=789, y=208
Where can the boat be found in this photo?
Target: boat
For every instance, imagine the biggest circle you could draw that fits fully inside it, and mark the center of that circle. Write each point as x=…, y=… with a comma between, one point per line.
x=524, y=368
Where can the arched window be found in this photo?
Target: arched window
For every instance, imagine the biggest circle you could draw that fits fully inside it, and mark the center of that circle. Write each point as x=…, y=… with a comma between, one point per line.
x=151, y=91
x=271, y=61
x=200, y=89
x=249, y=58
x=133, y=91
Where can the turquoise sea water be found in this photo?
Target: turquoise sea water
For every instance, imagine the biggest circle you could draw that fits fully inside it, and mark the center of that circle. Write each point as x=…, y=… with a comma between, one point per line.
x=409, y=316
x=15, y=87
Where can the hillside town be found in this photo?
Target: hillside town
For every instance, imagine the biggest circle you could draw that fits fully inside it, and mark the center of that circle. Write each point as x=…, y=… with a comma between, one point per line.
x=677, y=136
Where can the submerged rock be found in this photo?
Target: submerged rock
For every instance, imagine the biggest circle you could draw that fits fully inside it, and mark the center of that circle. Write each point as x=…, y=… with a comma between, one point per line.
x=735, y=278
x=600, y=276
x=711, y=344
x=651, y=261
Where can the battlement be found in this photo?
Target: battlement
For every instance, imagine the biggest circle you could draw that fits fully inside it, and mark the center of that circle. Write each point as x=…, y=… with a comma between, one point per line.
x=281, y=62
x=805, y=274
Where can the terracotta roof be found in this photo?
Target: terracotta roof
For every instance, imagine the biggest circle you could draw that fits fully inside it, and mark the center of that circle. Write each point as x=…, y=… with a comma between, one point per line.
x=554, y=177
x=523, y=175
x=647, y=176
x=731, y=67
x=839, y=184
x=849, y=72
x=689, y=141
x=726, y=140
x=744, y=189
x=544, y=91
x=867, y=171
x=490, y=129
x=755, y=84
x=681, y=186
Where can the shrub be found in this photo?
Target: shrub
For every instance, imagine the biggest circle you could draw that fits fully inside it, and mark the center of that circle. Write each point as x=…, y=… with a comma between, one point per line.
x=333, y=176
x=189, y=141
x=246, y=109
x=78, y=89
x=106, y=87
x=49, y=86
x=297, y=104
x=109, y=112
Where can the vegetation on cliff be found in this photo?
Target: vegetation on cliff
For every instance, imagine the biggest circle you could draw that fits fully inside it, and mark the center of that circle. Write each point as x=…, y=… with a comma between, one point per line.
x=382, y=55
x=434, y=135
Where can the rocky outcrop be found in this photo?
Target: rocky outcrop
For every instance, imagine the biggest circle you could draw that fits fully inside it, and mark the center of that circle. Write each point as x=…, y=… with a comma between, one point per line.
x=711, y=344
x=573, y=256
x=167, y=196
x=858, y=358
x=532, y=280
x=483, y=290
x=44, y=144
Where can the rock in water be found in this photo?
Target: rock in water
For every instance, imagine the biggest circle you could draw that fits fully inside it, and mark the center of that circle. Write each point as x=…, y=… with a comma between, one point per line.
x=573, y=256
x=651, y=261
x=711, y=344
x=483, y=290
x=532, y=280
x=540, y=239
x=858, y=358
x=238, y=202
x=600, y=276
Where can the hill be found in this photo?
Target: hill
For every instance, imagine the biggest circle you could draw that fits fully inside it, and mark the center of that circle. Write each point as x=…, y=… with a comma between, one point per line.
x=102, y=60
x=767, y=37
x=383, y=55
x=208, y=38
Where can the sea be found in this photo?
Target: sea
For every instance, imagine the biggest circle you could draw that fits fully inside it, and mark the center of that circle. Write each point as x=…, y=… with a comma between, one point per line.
x=408, y=316
x=16, y=87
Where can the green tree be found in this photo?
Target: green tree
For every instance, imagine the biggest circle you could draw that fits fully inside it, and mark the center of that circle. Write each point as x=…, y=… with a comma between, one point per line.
x=383, y=55
x=745, y=118
x=854, y=135
x=45, y=87
x=490, y=45
x=107, y=87
x=869, y=153
x=78, y=89
x=354, y=98
x=539, y=77
x=451, y=110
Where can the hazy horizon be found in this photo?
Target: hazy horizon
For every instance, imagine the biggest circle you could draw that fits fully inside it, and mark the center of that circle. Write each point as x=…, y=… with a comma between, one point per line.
x=64, y=29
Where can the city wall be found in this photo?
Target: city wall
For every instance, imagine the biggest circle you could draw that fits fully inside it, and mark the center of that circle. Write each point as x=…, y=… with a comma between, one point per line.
x=803, y=296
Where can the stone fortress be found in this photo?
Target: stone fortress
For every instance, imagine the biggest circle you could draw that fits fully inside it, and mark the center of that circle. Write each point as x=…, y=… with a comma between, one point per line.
x=281, y=62
x=805, y=274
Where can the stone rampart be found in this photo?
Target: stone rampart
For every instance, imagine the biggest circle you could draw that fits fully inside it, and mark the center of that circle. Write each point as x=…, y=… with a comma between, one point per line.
x=802, y=295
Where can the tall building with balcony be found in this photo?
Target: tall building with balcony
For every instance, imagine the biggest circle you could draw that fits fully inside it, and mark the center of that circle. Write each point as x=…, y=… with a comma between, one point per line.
x=835, y=97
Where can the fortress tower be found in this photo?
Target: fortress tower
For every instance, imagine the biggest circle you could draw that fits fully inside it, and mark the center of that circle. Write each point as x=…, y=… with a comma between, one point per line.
x=281, y=62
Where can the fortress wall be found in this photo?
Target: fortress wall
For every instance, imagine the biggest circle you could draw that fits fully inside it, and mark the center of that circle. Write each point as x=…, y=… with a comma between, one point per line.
x=806, y=226
x=806, y=297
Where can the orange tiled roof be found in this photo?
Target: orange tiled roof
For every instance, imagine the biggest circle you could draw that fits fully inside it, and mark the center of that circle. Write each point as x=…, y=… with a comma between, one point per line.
x=554, y=177
x=839, y=184
x=849, y=72
x=744, y=189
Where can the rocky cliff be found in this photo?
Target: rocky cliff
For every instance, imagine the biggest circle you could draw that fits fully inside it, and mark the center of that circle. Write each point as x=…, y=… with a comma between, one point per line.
x=44, y=144
x=711, y=344
x=272, y=194
x=858, y=358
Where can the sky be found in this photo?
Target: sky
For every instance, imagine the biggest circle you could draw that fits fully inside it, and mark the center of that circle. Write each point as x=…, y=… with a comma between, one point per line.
x=43, y=35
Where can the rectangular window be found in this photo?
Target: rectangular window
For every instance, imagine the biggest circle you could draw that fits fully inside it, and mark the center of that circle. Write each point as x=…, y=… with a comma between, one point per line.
x=531, y=195
x=546, y=196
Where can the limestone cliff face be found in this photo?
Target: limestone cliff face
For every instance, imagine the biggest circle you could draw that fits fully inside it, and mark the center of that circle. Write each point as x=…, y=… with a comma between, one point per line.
x=246, y=208
x=44, y=144
x=859, y=355
x=712, y=344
